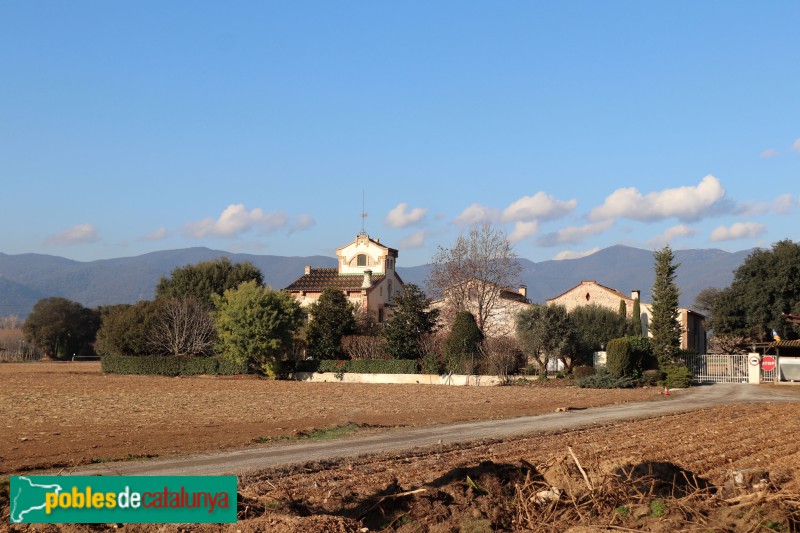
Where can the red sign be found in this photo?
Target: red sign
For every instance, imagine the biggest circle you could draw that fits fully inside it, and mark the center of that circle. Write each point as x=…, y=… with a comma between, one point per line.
x=768, y=363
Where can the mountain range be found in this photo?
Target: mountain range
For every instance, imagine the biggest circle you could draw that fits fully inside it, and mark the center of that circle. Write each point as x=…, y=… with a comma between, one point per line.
x=26, y=278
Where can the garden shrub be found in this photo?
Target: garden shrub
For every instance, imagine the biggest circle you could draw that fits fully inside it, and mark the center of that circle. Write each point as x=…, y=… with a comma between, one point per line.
x=582, y=371
x=604, y=379
x=676, y=377
x=167, y=365
x=619, y=360
x=369, y=366
x=652, y=377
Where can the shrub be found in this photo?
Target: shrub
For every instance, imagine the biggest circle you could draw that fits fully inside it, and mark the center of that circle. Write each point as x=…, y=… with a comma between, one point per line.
x=168, y=365
x=619, y=360
x=676, y=377
x=369, y=366
x=461, y=344
x=652, y=377
x=603, y=379
x=582, y=371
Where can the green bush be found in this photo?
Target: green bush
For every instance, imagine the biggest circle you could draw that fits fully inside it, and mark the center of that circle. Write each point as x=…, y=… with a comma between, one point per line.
x=652, y=377
x=369, y=366
x=676, y=377
x=582, y=371
x=603, y=379
x=430, y=364
x=167, y=365
x=619, y=359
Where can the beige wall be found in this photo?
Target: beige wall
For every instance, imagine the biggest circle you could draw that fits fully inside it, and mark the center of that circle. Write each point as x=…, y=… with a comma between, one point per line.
x=376, y=256
x=588, y=293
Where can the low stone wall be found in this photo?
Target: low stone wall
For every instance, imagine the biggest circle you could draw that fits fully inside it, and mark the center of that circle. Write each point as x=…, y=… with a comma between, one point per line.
x=425, y=379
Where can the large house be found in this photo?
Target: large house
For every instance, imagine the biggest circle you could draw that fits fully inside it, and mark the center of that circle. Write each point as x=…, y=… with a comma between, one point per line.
x=500, y=320
x=591, y=292
x=365, y=273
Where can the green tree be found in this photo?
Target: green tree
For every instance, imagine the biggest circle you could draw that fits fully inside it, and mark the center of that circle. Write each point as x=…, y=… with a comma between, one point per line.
x=593, y=327
x=545, y=332
x=461, y=346
x=203, y=280
x=61, y=328
x=636, y=318
x=125, y=329
x=623, y=309
x=256, y=325
x=411, y=319
x=331, y=318
x=664, y=326
x=765, y=287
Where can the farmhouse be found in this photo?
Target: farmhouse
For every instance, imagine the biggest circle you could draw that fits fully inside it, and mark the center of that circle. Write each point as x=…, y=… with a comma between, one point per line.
x=591, y=292
x=365, y=273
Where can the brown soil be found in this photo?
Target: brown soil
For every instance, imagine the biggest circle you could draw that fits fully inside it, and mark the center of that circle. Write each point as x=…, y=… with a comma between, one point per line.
x=668, y=473
x=67, y=414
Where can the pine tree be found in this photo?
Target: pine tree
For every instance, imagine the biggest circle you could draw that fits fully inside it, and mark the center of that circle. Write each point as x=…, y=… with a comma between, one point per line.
x=411, y=319
x=664, y=326
x=331, y=319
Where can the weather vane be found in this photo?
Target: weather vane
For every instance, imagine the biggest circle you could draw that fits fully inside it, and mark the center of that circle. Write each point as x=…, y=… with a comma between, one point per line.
x=363, y=214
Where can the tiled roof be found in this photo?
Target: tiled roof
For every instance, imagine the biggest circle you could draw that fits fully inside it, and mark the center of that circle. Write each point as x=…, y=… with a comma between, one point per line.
x=321, y=278
x=508, y=294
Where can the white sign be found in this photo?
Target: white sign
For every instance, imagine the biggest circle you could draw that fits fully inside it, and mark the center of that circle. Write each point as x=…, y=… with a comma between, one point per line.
x=753, y=360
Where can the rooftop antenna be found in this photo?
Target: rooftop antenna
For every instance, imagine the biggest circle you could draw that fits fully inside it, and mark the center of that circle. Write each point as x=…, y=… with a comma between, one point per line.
x=363, y=214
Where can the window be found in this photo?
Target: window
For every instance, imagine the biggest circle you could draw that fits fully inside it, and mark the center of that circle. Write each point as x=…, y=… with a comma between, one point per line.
x=361, y=260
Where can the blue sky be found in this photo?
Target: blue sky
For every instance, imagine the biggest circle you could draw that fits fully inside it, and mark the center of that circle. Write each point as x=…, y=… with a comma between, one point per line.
x=130, y=127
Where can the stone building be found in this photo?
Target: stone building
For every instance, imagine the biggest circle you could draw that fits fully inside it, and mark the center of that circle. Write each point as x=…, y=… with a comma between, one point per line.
x=365, y=273
x=591, y=292
x=501, y=320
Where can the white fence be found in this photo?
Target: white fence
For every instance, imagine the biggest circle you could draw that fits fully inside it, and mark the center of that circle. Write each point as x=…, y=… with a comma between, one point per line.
x=718, y=368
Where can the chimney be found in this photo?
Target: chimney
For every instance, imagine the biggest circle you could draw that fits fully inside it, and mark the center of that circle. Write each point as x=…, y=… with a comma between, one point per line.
x=635, y=294
x=308, y=269
x=367, y=279
x=523, y=290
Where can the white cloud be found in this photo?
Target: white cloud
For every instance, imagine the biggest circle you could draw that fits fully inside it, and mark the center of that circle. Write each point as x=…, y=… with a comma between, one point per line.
x=796, y=145
x=684, y=203
x=415, y=240
x=234, y=221
x=303, y=222
x=574, y=234
x=781, y=205
x=769, y=152
x=401, y=217
x=523, y=230
x=739, y=230
x=80, y=234
x=675, y=232
x=476, y=213
x=157, y=235
x=567, y=254
x=540, y=206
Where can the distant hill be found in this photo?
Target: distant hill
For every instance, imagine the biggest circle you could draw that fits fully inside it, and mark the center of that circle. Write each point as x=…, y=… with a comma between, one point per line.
x=26, y=278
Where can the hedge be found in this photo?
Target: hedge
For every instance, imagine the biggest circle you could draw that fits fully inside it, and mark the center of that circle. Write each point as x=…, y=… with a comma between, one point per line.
x=369, y=366
x=164, y=365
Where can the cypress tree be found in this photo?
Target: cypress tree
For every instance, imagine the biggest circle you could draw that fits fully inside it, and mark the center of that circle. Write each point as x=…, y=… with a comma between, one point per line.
x=637, y=317
x=623, y=309
x=664, y=325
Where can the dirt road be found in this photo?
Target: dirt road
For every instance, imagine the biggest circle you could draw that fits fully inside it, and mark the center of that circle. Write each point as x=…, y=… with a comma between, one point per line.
x=242, y=461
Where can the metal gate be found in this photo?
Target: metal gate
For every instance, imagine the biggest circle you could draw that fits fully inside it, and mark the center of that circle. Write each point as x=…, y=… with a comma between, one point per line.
x=718, y=368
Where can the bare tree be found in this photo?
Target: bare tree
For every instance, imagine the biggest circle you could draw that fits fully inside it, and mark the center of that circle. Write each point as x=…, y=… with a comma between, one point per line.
x=470, y=275
x=183, y=326
x=502, y=355
x=365, y=347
